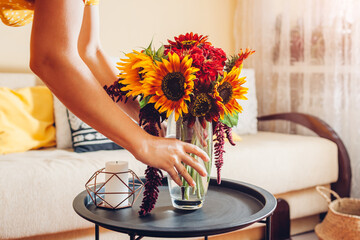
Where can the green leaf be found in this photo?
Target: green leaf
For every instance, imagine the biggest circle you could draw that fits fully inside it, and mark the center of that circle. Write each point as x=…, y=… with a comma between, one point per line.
x=150, y=45
x=230, y=120
x=159, y=59
x=160, y=52
x=144, y=101
x=149, y=51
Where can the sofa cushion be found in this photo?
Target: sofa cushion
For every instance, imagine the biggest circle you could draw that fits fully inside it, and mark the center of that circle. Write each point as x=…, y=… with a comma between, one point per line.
x=63, y=133
x=281, y=162
x=18, y=80
x=87, y=139
x=247, y=123
x=26, y=119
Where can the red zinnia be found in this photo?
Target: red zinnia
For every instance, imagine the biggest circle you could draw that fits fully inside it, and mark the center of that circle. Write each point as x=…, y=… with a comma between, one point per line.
x=213, y=64
x=189, y=40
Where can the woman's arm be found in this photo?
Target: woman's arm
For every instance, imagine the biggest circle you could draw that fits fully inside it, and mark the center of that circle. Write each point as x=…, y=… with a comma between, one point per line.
x=99, y=63
x=55, y=59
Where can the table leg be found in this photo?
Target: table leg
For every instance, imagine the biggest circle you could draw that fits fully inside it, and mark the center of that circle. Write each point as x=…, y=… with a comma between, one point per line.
x=268, y=228
x=97, y=232
x=206, y=238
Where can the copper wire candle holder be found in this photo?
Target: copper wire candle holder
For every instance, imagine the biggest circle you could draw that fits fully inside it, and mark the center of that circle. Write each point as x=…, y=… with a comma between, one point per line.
x=96, y=188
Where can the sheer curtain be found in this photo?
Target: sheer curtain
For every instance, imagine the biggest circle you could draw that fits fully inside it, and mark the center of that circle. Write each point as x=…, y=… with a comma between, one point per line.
x=307, y=60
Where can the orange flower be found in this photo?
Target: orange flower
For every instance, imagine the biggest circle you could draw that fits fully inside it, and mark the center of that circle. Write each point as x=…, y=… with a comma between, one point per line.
x=132, y=71
x=230, y=89
x=170, y=85
x=242, y=56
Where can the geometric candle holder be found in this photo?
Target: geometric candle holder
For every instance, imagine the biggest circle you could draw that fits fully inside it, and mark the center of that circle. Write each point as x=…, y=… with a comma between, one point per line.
x=96, y=188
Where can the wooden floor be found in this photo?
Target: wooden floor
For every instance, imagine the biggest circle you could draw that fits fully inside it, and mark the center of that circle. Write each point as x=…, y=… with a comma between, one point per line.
x=305, y=236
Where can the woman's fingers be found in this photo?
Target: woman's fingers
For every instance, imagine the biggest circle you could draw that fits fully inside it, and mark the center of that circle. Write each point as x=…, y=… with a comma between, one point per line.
x=171, y=154
x=183, y=172
x=190, y=148
x=175, y=176
x=194, y=164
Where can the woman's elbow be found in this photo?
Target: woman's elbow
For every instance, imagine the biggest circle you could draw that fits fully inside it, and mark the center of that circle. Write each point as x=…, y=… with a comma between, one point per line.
x=89, y=52
x=43, y=63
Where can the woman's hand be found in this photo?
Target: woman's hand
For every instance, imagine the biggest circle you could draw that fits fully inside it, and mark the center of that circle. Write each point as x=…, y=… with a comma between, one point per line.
x=169, y=154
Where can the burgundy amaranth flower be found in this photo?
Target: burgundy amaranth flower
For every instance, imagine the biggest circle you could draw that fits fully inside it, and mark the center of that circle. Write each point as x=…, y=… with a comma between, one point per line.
x=149, y=118
x=219, y=149
x=115, y=93
x=153, y=180
x=229, y=134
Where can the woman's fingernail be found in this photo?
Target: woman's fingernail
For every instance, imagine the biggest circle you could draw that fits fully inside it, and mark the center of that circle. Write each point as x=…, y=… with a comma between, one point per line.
x=204, y=172
x=193, y=183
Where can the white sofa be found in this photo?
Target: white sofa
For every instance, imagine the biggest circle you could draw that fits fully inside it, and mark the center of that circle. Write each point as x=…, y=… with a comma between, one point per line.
x=38, y=186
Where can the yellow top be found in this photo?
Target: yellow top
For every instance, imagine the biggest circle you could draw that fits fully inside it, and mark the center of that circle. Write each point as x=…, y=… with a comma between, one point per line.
x=17, y=13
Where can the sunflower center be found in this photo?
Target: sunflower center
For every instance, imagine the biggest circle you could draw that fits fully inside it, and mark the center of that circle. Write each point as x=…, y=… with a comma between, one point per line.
x=225, y=91
x=201, y=106
x=173, y=86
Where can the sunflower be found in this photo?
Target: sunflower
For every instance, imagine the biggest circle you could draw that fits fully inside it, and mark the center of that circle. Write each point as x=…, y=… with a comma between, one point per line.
x=204, y=106
x=170, y=84
x=132, y=72
x=230, y=89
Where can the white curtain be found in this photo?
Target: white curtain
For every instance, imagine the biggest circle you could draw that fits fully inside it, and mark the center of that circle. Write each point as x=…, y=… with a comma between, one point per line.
x=307, y=60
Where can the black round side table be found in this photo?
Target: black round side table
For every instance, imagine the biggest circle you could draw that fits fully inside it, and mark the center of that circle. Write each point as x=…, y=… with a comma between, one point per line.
x=228, y=207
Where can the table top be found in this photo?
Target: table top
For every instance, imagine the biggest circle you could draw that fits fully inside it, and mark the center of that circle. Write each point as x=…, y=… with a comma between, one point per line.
x=228, y=207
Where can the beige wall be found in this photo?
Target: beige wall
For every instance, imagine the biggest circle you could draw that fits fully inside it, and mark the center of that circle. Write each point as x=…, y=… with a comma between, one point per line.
x=129, y=24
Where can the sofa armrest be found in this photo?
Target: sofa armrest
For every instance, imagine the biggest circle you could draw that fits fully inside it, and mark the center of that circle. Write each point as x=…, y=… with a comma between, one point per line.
x=322, y=129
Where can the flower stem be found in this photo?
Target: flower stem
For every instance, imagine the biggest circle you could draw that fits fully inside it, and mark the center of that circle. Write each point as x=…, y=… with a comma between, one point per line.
x=198, y=137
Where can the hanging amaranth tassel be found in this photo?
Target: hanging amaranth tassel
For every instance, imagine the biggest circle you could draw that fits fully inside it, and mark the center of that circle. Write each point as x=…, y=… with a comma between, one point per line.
x=228, y=131
x=153, y=181
x=149, y=118
x=219, y=148
x=114, y=91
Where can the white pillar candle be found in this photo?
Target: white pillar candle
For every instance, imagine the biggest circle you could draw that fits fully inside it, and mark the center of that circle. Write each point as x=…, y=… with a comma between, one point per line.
x=115, y=185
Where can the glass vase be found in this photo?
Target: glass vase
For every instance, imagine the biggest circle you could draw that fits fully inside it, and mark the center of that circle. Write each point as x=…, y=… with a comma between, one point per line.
x=187, y=197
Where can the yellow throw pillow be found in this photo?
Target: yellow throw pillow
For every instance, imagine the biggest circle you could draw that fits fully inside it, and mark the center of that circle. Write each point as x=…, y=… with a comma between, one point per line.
x=26, y=119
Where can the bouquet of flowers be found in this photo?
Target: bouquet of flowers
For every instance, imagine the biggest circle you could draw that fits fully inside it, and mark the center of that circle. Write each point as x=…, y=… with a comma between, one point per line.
x=189, y=78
